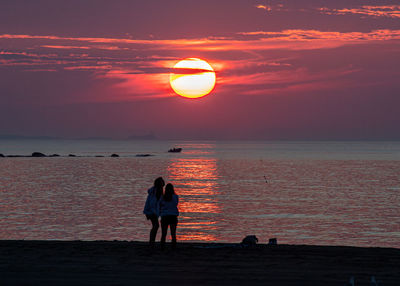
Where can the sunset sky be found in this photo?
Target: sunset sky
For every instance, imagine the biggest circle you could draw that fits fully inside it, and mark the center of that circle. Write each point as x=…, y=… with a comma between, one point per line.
x=298, y=70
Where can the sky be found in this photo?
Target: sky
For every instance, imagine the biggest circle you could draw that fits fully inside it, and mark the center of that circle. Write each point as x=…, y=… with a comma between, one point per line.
x=286, y=70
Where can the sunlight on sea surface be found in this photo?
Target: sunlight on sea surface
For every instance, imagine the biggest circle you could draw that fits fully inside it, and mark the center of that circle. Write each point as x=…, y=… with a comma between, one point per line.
x=326, y=193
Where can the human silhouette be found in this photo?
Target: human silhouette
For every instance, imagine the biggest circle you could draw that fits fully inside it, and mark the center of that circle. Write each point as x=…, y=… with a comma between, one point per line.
x=152, y=207
x=169, y=214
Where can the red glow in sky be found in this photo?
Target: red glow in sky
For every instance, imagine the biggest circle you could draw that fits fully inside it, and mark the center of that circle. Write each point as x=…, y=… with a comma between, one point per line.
x=285, y=70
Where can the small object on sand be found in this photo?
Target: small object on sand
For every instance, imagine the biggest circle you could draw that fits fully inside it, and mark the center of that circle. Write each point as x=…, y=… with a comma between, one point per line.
x=266, y=179
x=249, y=241
x=351, y=281
x=373, y=281
x=273, y=241
x=175, y=150
x=71, y=155
x=38, y=154
x=114, y=155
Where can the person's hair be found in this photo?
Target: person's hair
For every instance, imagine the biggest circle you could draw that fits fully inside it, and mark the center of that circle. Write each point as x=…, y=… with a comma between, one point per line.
x=169, y=192
x=159, y=184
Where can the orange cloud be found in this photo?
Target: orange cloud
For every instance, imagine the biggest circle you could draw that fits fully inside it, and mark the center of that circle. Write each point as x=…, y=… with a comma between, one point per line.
x=264, y=7
x=390, y=11
x=298, y=79
x=136, y=83
x=312, y=35
x=96, y=67
x=255, y=40
x=251, y=43
x=145, y=72
x=65, y=47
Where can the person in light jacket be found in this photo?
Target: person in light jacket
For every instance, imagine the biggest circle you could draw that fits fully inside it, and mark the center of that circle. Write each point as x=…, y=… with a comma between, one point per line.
x=152, y=207
x=169, y=214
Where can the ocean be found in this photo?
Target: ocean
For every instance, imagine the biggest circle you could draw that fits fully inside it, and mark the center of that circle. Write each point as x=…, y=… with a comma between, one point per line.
x=323, y=193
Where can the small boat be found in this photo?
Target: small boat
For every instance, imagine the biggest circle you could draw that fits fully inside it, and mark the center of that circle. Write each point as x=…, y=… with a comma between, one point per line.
x=175, y=150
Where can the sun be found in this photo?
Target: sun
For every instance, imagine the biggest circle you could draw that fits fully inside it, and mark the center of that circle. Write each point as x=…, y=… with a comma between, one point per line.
x=192, y=78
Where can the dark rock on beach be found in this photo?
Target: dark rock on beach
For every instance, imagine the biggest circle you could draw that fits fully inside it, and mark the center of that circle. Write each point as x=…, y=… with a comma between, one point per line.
x=1, y=155
x=71, y=155
x=114, y=155
x=38, y=154
x=54, y=155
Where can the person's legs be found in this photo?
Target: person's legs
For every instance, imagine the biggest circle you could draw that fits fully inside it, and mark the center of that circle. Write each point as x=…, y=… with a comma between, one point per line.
x=154, y=229
x=164, y=230
x=173, y=232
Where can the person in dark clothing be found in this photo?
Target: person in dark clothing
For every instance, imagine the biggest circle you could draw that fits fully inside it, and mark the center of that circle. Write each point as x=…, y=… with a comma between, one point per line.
x=152, y=206
x=169, y=214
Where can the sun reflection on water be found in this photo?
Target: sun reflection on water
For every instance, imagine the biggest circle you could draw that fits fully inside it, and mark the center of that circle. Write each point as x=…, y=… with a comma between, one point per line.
x=195, y=180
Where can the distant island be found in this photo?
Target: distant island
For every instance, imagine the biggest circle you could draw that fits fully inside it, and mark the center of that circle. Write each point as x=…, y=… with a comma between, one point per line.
x=21, y=137
x=94, y=138
x=149, y=136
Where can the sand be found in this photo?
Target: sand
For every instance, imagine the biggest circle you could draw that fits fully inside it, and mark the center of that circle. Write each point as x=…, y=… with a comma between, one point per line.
x=134, y=263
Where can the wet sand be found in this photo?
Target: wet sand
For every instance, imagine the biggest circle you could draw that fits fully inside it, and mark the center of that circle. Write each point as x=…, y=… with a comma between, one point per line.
x=134, y=263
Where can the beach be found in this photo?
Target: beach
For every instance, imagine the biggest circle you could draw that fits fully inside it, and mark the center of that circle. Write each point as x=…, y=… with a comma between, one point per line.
x=135, y=263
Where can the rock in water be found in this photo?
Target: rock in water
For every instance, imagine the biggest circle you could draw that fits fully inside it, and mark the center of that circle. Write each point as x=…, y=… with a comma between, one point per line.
x=1, y=155
x=143, y=155
x=38, y=154
x=71, y=155
x=114, y=155
x=54, y=155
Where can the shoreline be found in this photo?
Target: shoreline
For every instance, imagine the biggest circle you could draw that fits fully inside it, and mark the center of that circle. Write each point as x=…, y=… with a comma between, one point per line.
x=54, y=262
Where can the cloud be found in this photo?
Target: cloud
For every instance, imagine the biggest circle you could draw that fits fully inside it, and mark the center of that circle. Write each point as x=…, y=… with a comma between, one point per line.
x=265, y=60
x=314, y=35
x=263, y=7
x=100, y=47
x=275, y=7
x=389, y=11
x=65, y=47
x=249, y=40
x=138, y=85
x=155, y=56
x=95, y=67
x=188, y=71
x=295, y=79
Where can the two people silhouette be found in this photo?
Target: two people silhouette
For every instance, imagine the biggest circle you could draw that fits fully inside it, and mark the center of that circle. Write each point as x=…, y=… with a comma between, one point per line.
x=164, y=204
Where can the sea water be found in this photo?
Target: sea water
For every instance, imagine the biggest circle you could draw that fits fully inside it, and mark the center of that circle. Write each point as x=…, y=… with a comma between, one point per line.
x=325, y=193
